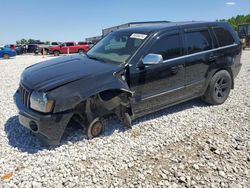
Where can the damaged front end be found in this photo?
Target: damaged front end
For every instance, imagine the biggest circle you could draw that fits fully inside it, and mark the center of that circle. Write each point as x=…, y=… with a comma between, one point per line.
x=86, y=101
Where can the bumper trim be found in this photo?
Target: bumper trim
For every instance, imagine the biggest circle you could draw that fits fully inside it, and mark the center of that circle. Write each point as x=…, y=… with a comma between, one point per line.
x=50, y=127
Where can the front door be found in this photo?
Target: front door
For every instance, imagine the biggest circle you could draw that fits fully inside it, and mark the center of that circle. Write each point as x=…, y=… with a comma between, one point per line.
x=159, y=85
x=67, y=48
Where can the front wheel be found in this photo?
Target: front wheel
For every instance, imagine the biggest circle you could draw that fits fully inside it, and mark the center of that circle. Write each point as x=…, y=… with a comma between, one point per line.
x=219, y=88
x=95, y=128
x=56, y=53
x=6, y=56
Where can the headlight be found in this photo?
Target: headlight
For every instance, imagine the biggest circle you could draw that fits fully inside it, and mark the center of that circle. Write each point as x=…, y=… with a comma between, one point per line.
x=40, y=102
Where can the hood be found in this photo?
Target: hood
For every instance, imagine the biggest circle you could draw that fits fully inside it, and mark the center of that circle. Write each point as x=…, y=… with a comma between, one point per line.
x=53, y=73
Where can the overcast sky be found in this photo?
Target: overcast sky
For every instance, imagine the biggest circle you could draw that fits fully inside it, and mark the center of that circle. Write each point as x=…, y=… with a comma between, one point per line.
x=74, y=20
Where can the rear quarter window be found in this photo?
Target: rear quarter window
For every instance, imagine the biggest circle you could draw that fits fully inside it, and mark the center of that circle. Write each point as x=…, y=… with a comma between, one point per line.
x=223, y=36
x=198, y=41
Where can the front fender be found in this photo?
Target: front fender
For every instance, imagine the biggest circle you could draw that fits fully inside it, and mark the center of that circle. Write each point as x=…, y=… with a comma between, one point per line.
x=70, y=95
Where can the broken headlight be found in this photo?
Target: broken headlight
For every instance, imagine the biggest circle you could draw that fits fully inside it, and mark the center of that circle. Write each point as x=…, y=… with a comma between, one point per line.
x=40, y=102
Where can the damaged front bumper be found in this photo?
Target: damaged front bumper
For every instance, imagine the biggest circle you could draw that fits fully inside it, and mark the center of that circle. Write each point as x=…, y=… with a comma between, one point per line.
x=49, y=127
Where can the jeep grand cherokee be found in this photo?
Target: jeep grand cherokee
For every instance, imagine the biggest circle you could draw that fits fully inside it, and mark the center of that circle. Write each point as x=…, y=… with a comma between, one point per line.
x=131, y=72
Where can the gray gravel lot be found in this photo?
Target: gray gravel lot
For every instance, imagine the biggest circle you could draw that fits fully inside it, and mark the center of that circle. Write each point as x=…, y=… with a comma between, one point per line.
x=188, y=145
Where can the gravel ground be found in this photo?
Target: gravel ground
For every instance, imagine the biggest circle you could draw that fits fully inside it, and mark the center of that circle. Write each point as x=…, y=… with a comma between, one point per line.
x=188, y=145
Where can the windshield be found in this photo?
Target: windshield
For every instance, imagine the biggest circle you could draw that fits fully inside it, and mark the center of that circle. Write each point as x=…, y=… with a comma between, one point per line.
x=117, y=47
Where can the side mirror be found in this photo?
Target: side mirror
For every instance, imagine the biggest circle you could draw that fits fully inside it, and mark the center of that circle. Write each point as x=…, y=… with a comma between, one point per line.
x=152, y=59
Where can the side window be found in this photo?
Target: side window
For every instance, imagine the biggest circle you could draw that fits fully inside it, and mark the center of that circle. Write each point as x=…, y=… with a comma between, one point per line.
x=198, y=41
x=168, y=46
x=70, y=44
x=223, y=36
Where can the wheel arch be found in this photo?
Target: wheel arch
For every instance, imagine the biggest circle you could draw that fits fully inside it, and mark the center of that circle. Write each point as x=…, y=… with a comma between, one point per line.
x=100, y=104
x=56, y=51
x=212, y=73
x=80, y=90
x=106, y=95
x=81, y=49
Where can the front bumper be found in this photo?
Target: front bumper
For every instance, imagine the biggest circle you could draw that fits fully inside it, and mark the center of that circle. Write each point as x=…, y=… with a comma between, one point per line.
x=49, y=127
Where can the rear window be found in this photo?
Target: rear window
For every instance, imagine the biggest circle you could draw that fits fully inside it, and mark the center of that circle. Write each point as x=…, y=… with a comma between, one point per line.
x=54, y=43
x=198, y=41
x=223, y=36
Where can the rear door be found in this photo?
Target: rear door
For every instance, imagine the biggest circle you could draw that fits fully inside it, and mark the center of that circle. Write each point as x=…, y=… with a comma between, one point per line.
x=158, y=85
x=199, y=57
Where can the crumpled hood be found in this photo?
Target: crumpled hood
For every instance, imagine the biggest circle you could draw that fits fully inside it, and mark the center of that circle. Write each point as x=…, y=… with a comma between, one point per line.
x=53, y=73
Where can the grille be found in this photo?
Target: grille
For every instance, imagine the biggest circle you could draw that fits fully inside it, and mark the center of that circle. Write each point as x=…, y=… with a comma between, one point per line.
x=24, y=95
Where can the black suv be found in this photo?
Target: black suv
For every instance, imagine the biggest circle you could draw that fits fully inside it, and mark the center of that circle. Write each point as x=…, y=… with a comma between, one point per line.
x=130, y=73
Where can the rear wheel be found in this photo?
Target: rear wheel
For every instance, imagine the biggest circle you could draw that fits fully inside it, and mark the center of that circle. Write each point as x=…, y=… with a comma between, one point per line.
x=6, y=56
x=80, y=51
x=219, y=88
x=56, y=53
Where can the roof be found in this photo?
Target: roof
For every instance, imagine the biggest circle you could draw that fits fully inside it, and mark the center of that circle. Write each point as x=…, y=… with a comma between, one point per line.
x=137, y=23
x=157, y=27
x=148, y=22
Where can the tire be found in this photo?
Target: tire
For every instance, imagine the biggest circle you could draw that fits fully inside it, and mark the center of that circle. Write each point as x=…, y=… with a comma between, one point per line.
x=80, y=51
x=95, y=128
x=56, y=53
x=6, y=56
x=219, y=88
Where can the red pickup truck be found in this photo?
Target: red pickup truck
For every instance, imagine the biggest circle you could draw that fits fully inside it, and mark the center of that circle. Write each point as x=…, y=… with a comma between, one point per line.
x=68, y=47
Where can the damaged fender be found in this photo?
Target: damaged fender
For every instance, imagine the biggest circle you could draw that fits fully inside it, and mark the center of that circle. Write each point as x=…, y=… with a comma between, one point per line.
x=80, y=90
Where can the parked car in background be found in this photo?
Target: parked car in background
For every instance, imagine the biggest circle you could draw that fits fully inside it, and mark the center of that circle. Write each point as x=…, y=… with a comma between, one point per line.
x=11, y=46
x=55, y=43
x=20, y=49
x=86, y=43
x=6, y=53
x=44, y=48
x=130, y=73
x=68, y=47
x=244, y=34
x=32, y=48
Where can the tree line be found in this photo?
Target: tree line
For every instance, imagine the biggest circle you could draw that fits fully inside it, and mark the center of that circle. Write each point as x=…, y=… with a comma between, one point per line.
x=235, y=21
x=30, y=41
